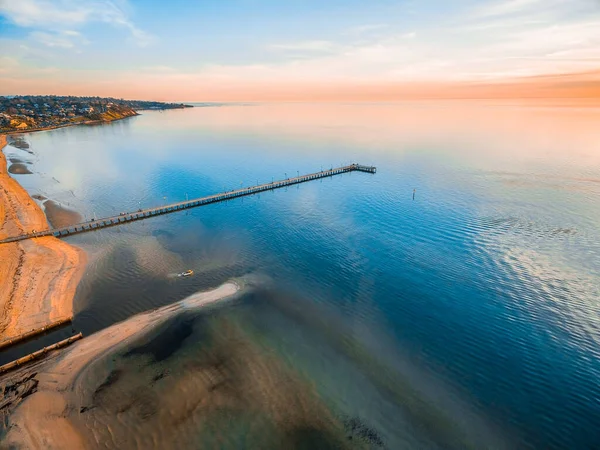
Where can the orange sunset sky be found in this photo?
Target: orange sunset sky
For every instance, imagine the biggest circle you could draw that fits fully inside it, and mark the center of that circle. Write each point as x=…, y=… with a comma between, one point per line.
x=233, y=50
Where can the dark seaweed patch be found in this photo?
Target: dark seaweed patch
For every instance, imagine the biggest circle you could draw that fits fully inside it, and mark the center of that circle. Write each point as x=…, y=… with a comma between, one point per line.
x=167, y=342
x=110, y=380
x=356, y=428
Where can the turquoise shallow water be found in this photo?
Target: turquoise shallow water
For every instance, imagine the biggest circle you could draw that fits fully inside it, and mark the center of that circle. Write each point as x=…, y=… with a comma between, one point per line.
x=481, y=294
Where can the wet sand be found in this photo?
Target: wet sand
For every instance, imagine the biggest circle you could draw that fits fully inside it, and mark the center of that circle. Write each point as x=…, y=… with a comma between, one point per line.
x=59, y=215
x=40, y=421
x=176, y=377
x=38, y=277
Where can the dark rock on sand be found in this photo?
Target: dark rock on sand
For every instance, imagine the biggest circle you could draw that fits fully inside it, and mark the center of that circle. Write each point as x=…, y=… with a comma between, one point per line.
x=19, y=169
x=19, y=143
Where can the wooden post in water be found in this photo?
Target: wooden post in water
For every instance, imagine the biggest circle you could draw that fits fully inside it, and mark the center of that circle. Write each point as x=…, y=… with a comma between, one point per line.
x=34, y=332
x=36, y=355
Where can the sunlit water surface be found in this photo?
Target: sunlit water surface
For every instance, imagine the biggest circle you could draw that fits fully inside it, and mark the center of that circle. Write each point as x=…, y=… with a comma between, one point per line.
x=467, y=316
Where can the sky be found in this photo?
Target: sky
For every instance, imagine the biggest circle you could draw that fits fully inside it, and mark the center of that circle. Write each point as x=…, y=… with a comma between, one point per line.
x=213, y=50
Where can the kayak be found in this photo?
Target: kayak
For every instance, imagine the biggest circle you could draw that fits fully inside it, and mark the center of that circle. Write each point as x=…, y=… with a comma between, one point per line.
x=187, y=273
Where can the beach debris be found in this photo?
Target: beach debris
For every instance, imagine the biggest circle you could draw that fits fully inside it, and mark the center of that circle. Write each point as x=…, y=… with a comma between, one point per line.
x=159, y=376
x=14, y=392
x=85, y=409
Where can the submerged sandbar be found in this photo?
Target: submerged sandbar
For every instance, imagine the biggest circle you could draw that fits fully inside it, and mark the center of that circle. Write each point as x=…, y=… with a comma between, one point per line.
x=59, y=215
x=180, y=376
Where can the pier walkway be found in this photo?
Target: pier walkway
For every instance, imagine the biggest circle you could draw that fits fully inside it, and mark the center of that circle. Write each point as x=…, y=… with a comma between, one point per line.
x=151, y=212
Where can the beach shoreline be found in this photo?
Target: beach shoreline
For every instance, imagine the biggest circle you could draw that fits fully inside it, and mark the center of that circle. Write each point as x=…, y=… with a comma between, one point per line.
x=45, y=272
x=41, y=420
x=40, y=276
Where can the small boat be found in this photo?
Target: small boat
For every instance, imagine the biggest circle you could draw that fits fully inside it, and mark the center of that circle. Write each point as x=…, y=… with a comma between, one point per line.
x=187, y=273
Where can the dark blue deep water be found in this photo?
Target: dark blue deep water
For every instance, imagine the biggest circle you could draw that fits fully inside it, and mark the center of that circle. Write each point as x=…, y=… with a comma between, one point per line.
x=481, y=295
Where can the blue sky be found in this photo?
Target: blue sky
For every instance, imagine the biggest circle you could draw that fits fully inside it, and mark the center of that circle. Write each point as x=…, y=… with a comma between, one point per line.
x=82, y=43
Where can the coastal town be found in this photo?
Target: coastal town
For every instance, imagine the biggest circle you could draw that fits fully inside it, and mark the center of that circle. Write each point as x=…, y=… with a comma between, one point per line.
x=29, y=113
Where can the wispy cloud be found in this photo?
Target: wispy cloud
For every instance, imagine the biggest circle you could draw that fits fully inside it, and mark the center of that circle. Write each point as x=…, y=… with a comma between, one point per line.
x=60, y=15
x=495, y=40
x=492, y=41
x=508, y=7
x=536, y=37
x=61, y=39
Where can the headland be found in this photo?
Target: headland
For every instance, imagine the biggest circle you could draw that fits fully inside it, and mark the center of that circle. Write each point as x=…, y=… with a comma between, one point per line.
x=23, y=114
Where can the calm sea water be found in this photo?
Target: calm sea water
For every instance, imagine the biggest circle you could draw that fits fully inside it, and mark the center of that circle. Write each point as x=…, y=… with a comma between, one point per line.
x=471, y=311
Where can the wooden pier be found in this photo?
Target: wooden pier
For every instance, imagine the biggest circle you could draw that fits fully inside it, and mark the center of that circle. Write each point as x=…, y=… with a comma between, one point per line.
x=151, y=212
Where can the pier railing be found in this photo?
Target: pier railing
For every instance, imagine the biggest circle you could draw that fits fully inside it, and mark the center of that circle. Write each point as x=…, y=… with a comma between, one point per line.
x=141, y=214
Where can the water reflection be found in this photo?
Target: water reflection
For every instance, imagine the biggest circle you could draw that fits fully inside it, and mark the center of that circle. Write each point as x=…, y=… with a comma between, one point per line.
x=476, y=301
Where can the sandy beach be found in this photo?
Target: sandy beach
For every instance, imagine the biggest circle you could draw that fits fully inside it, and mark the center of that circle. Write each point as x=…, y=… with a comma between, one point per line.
x=38, y=277
x=40, y=421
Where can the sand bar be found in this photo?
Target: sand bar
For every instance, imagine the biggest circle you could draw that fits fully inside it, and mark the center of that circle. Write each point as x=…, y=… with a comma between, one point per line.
x=38, y=278
x=41, y=419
